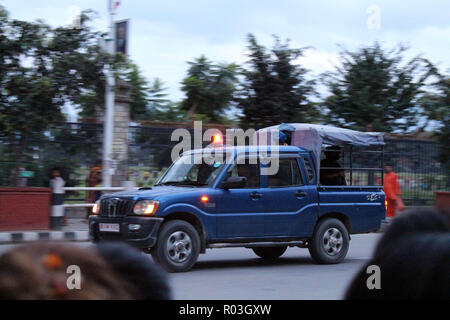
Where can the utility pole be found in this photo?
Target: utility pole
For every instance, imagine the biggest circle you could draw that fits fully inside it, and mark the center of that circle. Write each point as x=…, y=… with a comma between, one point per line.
x=108, y=170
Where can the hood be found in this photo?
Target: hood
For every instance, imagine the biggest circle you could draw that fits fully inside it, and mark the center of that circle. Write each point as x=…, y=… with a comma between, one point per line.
x=154, y=193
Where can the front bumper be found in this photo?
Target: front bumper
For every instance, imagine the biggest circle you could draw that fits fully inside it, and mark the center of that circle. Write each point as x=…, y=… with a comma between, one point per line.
x=145, y=237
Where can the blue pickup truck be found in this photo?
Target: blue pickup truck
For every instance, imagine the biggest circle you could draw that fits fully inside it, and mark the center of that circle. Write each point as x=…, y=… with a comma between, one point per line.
x=232, y=203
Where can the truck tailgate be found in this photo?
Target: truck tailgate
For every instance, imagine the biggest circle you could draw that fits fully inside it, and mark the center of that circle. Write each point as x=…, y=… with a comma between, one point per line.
x=364, y=206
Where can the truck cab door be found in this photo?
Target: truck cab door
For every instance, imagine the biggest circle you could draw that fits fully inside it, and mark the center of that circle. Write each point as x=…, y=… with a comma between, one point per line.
x=290, y=206
x=240, y=211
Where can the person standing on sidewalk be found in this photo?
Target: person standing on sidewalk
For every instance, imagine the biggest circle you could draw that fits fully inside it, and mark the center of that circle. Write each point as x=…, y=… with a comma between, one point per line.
x=94, y=179
x=57, y=211
x=392, y=191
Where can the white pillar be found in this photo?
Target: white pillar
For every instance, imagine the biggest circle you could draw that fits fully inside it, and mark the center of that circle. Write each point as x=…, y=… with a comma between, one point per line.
x=109, y=107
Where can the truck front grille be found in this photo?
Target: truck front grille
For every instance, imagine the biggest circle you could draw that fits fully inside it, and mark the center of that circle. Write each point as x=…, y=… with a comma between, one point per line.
x=115, y=207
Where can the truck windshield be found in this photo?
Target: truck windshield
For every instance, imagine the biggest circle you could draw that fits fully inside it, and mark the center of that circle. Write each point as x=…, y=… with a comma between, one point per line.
x=184, y=172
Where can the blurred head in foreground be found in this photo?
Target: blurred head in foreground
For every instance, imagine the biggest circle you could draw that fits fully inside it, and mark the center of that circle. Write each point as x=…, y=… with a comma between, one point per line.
x=39, y=271
x=136, y=268
x=413, y=257
x=43, y=271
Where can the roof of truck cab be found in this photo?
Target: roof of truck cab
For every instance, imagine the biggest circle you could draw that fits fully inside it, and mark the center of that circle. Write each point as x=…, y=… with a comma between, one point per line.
x=250, y=149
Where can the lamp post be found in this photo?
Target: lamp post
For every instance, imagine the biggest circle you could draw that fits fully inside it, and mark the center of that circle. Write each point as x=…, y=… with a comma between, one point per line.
x=108, y=171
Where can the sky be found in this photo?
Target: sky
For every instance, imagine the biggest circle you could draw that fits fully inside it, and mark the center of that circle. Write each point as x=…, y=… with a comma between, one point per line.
x=165, y=34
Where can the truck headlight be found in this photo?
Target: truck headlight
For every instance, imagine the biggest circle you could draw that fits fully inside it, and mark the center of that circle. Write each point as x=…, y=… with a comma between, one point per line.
x=96, y=207
x=145, y=207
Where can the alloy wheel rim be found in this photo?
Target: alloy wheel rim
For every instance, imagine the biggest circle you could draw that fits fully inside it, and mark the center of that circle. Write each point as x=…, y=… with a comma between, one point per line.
x=332, y=241
x=179, y=247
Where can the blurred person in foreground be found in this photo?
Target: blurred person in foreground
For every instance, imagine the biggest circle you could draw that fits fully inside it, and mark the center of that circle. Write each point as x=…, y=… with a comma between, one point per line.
x=39, y=271
x=392, y=191
x=414, y=260
x=136, y=268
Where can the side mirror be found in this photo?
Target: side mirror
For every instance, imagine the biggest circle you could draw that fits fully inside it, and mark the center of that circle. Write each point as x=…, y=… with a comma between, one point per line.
x=235, y=183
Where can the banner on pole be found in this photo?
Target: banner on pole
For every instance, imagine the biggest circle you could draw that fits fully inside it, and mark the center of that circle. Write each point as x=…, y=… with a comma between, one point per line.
x=122, y=36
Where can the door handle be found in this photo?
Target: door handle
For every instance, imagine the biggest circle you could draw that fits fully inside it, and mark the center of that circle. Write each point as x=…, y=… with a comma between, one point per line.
x=255, y=195
x=300, y=194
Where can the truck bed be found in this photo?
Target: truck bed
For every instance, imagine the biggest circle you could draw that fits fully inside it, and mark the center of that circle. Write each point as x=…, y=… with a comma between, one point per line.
x=363, y=205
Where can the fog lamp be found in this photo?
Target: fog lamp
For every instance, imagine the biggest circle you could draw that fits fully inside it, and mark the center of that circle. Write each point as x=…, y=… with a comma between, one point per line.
x=134, y=227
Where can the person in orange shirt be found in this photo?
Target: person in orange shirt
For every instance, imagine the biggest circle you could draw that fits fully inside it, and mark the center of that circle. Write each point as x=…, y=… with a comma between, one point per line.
x=94, y=179
x=392, y=191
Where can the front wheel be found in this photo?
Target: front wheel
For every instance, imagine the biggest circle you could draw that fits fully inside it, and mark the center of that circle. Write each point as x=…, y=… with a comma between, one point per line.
x=269, y=253
x=330, y=242
x=178, y=246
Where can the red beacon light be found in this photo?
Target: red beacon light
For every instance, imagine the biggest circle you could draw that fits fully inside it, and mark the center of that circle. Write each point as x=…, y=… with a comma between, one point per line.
x=217, y=139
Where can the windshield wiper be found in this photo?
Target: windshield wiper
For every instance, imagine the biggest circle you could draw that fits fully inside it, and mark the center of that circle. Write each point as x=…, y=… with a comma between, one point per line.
x=193, y=183
x=168, y=183
x=180, y=183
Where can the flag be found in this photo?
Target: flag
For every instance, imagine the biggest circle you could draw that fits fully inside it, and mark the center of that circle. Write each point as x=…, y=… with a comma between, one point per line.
x=113, y=5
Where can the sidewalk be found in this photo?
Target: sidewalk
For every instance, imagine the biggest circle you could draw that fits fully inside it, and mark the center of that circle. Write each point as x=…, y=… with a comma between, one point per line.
x=76, y=230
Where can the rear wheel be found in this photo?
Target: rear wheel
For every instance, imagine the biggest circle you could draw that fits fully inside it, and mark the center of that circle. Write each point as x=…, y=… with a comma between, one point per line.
x=269, y=253
x=330, y=242
x=178, y=246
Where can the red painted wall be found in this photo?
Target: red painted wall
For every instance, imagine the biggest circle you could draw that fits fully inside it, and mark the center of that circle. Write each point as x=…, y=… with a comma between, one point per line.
x=24, y=209
x=443, y=200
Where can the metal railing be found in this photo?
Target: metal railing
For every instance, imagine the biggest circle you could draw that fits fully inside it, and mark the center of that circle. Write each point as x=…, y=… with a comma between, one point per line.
x=78, y=146
x=88, y=205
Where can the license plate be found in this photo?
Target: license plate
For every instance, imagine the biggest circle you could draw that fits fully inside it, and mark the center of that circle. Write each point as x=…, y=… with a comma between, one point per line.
x=109, y=227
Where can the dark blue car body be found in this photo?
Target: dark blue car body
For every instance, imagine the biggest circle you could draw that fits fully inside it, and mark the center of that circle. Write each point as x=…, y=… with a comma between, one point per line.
x=238, y=216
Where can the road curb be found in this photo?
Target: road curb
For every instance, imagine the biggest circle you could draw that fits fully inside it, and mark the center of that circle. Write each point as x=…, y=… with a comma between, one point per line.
x=29, y=236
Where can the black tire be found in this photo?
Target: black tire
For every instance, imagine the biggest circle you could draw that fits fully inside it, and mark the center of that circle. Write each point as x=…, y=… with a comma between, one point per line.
x=330, y=242
x=269, y=253
x=177, y=247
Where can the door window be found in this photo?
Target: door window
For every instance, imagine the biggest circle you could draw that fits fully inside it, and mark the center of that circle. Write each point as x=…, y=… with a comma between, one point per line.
x=249, y=171
x=309, y=169
x=288, y=174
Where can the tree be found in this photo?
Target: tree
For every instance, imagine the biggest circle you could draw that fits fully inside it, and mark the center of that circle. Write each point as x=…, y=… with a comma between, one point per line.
x=275, y=89
x=437, y=107
x=42, y=69
x=209, y=88
x=157, y=99
x=373, y=90
x=170, y=111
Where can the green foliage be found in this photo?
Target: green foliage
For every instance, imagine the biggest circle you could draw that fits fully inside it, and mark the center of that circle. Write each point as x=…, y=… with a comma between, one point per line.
x=157, y=98
x=148, y=99
x=437, y=107
x=373, y=89
x=169, y=111
x=209, y=89
x=139, y=93
x=275, y=89
x=437, y=103
x=41, y=70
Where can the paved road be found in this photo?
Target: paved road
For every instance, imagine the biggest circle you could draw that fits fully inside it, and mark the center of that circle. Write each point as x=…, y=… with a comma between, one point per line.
x=236, y=273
